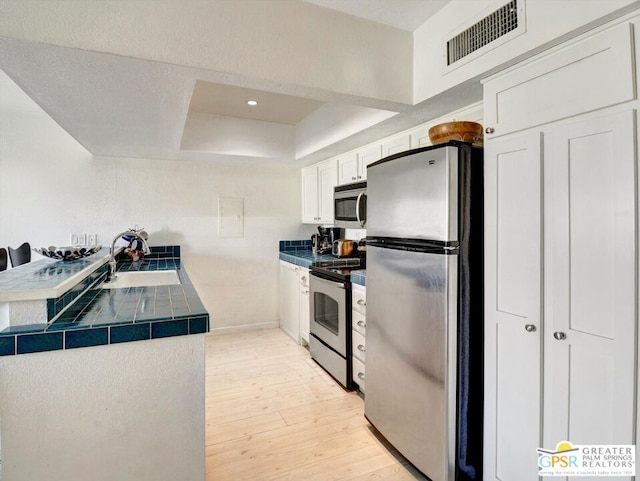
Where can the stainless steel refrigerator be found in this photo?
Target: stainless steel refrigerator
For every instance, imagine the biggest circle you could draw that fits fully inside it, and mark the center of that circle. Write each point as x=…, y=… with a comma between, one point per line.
x=425, y=307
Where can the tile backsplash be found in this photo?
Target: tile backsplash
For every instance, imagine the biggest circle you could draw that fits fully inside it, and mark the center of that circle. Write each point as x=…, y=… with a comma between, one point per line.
x=295, y=245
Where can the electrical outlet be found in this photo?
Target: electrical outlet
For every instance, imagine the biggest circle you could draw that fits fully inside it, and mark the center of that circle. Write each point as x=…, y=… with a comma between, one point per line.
x=92, y=240
x=77, y=239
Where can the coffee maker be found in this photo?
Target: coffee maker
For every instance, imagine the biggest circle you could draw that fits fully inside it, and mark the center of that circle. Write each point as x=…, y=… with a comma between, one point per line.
x=322, y=242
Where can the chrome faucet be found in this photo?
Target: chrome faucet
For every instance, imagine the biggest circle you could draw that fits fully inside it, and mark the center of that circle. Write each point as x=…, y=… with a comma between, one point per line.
x=112, y=259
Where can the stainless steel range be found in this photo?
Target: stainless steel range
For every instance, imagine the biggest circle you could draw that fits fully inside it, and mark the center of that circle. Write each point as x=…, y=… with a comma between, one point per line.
x=330, y=304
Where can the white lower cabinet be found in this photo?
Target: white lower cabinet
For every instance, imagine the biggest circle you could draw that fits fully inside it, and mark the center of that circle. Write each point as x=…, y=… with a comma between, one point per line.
x=358, y=373
x=294, y=301
x=561, y=290
x=289, y=305
x=358, y=334
x=304, y=314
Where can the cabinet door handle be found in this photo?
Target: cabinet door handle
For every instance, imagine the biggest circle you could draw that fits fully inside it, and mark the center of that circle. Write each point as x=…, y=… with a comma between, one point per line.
x=361, y=348
x=560, y=336
x=353, y=178
x=361, y=376
x=489, y=130
x=361, y=324
x=361, y=302
x=530, y=328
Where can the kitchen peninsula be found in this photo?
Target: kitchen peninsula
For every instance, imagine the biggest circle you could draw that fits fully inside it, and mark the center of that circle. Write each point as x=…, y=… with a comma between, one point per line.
x=103, y=383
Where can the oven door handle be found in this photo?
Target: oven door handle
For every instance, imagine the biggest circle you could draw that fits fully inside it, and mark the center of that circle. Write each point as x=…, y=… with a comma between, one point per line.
x=339, y=285
x=358, y=209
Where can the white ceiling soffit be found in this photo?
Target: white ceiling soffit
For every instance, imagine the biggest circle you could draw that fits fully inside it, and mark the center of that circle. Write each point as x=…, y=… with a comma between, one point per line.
x=121, y=105
x=403, y=14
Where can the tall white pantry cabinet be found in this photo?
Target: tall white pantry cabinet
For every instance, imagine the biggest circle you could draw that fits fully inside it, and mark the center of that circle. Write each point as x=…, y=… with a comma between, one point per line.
x=561, y=252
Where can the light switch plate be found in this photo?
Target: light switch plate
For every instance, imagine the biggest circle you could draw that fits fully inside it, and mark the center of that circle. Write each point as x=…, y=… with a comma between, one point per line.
x=92, y=240
x=77, y=239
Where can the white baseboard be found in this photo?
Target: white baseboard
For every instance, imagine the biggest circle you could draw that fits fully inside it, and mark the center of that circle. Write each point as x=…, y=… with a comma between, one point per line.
x=215, y=331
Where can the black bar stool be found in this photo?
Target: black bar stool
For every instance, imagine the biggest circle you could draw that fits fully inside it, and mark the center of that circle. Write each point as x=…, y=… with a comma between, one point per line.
x=21, y=255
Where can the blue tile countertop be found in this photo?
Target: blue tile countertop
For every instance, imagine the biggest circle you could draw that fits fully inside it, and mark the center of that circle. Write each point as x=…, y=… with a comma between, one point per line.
x=109, y=316
x=300, y=254
x=47, y=278
x=359, y=277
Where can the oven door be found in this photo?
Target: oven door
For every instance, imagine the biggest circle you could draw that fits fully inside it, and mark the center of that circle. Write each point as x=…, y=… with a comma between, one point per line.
x=329, y=312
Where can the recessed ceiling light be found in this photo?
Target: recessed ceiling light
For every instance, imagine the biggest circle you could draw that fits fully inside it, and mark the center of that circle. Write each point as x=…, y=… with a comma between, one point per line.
x=252, y=102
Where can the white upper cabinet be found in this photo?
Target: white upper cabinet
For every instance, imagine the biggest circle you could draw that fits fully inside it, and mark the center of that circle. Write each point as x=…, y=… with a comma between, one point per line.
x=348, y=168
x=420, y=138
x=396, y=144
x=366, y=156
x=327, y=180
x=310, y=194
x=352, y=167
x=318, y=181
x=590, y=74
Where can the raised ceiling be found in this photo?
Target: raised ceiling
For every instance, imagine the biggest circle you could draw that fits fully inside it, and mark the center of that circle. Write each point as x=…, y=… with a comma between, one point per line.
x=230, y=101
x=170, y=79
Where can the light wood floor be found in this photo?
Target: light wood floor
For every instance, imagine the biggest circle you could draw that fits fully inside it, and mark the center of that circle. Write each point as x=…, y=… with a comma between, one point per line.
x=273, y=414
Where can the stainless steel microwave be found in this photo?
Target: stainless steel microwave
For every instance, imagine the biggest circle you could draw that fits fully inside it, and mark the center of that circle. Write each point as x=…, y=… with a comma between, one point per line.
x=350, y=205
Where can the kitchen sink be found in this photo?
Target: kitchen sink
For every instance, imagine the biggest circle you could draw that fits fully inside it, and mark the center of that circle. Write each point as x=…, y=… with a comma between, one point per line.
x=142, y=279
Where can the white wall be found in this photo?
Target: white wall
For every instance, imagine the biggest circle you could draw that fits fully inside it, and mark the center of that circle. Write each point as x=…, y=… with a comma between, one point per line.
x=126, y=412
x=546, y=20
x=51, y=187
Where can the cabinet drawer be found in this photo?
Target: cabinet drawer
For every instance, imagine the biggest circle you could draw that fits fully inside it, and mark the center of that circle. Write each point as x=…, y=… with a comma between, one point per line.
x=358, y=322
x=588, y=75
x=358, y=345
x=359, y=300
x=358, y=373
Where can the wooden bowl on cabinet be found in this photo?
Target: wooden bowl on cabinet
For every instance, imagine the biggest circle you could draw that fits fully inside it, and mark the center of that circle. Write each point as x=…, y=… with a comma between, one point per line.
x=459, y=130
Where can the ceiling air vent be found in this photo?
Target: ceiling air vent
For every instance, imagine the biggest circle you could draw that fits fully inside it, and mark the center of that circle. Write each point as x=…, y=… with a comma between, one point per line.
x=487, y=30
